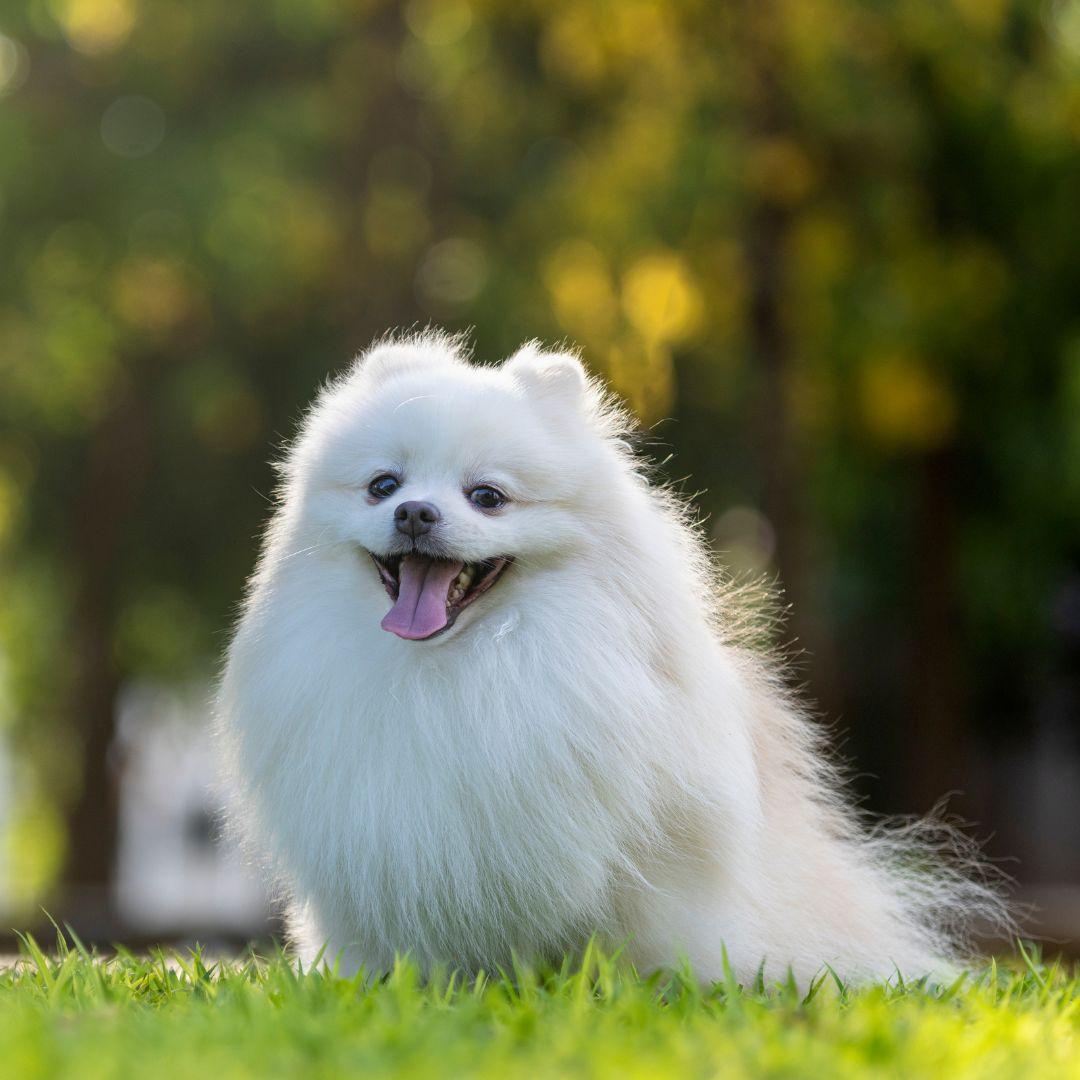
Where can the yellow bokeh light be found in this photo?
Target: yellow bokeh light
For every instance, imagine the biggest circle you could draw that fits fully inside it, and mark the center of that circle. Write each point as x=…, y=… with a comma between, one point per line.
x=644, y=377
x=661, y=299
x=642, y=30
x=579, y=283
x=985, y=15
x=571, y=49
x=904, y=404
x=95, y=27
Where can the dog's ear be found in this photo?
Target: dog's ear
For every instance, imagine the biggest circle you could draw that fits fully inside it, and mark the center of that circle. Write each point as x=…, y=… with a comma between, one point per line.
x=548, y=376
x=402, y=357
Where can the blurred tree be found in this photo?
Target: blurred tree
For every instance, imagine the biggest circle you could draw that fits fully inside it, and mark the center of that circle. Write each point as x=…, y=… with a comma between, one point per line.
x=833, y=240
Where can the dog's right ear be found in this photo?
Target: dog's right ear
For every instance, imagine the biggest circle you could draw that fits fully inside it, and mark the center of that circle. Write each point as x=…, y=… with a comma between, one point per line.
x=548, y=376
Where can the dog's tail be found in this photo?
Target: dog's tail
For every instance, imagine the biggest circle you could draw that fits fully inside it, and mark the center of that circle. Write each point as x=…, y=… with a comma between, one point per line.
x=871, y=898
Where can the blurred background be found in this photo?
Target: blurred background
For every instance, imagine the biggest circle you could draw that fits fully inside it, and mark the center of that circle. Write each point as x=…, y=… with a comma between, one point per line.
x=827, y=250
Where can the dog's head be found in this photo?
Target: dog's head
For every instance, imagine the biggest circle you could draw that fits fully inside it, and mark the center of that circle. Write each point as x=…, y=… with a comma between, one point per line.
x=448, y=476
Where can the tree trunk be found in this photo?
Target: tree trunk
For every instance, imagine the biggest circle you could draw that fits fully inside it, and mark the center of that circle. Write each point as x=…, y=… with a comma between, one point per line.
x=115, y=467
x=779, y=460
x=781, y=451
x=936, y=742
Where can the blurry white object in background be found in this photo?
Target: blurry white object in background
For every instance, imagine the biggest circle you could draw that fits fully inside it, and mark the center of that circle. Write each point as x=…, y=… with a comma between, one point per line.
x=175, y=872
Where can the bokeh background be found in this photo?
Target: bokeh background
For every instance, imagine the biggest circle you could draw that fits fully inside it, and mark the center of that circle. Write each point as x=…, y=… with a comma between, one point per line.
x=827, y=250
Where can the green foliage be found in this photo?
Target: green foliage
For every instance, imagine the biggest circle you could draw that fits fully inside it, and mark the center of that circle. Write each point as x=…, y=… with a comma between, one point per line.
x=73, y=1014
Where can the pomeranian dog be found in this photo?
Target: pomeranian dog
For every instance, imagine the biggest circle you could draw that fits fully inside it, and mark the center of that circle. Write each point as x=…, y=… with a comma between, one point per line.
x=488, y=697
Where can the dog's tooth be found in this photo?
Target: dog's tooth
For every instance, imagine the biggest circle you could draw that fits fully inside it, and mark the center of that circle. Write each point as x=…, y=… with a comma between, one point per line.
x=456, y=593
x=464, y=579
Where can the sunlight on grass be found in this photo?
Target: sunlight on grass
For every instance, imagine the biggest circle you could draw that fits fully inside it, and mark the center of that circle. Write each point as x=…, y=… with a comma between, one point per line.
x=70, y=1013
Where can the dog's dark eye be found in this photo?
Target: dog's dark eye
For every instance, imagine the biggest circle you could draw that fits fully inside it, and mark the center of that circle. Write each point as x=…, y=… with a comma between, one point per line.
x=382, y=487
x=486, y=497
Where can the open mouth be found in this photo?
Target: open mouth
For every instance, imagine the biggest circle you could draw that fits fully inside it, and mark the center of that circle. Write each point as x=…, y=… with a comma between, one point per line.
x=429, y=594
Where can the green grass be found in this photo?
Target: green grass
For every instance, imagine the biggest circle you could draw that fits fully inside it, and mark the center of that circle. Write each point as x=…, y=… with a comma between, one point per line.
x=73, y=1014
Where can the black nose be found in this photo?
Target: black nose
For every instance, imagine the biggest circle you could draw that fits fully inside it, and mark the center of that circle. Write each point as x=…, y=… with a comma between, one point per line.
x=415, y=518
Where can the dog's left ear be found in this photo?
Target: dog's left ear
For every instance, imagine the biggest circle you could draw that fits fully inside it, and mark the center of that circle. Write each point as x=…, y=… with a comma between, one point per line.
x=401, y=356
x=548, y=376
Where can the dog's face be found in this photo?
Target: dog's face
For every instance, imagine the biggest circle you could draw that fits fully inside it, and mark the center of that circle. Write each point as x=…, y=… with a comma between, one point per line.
x=451, y=477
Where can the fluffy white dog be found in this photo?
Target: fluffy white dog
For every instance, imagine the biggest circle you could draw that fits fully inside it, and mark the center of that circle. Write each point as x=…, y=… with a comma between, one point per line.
x=487, y=697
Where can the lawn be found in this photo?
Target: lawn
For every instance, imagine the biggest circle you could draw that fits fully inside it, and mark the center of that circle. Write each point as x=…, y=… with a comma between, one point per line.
x=71, y=1014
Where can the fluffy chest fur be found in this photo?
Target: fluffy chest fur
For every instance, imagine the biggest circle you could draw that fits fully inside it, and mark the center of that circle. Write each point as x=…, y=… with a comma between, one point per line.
x=475, y=798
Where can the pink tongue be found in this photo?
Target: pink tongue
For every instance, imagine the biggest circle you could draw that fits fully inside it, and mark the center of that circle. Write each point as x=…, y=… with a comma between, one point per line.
x=423, y=585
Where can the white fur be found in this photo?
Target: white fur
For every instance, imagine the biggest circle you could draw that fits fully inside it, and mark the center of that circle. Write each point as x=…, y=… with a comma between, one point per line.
x=589, y=749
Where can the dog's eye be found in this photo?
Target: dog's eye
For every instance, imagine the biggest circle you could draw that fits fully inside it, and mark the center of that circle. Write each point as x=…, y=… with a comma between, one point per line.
x=382, y=487
x=486, y=497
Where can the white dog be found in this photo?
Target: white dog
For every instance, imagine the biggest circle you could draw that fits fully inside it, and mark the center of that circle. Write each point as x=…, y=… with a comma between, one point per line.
x=487, y=697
